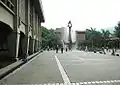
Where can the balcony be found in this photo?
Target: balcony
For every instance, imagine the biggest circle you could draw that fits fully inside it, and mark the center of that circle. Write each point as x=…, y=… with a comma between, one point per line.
x=8, y=5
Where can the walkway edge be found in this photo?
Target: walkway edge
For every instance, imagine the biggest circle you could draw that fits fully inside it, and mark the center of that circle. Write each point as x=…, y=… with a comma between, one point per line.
x=62, y=71
x=10, y=68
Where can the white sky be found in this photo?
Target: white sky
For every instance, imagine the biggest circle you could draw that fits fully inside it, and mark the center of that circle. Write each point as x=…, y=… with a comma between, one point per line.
x=82, y=13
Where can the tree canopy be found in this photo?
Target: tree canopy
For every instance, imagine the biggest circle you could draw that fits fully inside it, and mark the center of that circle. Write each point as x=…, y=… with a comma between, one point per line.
x=95, y=38
x=117, y=30
x=49, y=38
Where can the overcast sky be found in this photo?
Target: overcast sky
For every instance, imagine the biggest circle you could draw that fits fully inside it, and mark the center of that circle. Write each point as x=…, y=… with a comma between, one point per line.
x=82, y=13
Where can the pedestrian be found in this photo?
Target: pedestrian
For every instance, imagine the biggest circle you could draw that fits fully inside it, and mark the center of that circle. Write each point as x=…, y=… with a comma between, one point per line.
x=86, y=48
x=48, y=48
x=113, y=51
x=103, y=50
x=57, y=49
x=107, y=49
x=25, y=57
x=61, y=49
x=66, y=49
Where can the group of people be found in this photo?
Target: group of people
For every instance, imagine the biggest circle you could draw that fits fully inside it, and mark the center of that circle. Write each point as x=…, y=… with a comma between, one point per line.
x=113, y=50
x=57, y=48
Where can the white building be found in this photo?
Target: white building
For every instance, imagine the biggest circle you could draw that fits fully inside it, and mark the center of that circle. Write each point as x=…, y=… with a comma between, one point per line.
x=62, y=34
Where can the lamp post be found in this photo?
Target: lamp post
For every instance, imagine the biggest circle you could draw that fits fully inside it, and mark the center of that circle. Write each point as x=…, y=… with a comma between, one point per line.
x=70, y=40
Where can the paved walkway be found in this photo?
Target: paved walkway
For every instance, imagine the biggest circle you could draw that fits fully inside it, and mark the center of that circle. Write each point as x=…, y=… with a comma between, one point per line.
x=8, y=69
x=73, y=67
x=110, y=52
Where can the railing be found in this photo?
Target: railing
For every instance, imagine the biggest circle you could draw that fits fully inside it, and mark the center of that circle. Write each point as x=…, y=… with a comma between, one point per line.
x=9, y=4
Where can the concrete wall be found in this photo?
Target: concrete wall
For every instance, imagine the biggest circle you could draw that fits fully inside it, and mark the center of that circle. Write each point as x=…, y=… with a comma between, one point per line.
x=12, y=43
x=19, y=21
x=62, y=33
x=80, y=37
x=22, y=10
x=6, y=16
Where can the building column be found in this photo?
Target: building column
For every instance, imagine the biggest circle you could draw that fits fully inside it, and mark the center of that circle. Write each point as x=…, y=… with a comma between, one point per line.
x=28, y=44
x=17, y=45
x=30, y=51
x=25, y=44
x=16, y=26
x=13, y=45
x=33, y=45
x=36, y=45
x=28, y=25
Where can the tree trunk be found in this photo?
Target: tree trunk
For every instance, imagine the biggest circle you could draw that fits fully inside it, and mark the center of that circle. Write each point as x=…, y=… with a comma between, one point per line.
x=92, y=44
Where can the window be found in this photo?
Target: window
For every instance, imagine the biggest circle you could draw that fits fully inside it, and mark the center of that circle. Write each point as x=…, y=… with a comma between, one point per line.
x=31, y=13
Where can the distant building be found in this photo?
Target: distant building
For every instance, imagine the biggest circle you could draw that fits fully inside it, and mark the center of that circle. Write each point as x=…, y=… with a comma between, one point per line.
x=80, y=36
x=20, y=22
x=62, y=34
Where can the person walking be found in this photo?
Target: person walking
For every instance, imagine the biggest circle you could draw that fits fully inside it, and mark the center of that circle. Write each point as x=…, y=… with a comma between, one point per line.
x=61, y=49
x=107, y=49
x=25, y=55
x=66, y=49
x=57, y=49
x=113, y=52
x=103, y=50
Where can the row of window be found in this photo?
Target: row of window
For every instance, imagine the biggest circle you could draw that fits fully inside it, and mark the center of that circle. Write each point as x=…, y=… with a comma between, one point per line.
x=9, y=4
x=31, y=12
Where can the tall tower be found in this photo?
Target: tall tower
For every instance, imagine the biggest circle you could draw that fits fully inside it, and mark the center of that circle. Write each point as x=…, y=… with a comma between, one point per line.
x=69, y=38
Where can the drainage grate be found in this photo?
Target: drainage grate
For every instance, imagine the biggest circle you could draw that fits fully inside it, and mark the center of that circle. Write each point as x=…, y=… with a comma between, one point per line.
x=113, y=82
x=85, y=83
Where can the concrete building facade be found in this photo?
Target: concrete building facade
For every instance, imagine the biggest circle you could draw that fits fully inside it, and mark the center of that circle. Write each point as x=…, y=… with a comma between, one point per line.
x=62, y=34
x=20, y=22
x=80, y=36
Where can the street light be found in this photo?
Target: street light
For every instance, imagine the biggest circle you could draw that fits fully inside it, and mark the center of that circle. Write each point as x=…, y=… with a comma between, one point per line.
x=70, y=40
x=69, y=24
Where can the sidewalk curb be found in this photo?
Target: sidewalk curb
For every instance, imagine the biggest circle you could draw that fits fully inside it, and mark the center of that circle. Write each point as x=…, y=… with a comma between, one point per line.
x=17, y=66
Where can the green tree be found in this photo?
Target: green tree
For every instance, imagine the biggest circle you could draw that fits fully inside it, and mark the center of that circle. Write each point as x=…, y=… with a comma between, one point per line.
x=96, y=39
x=49, y=38
x=117, y=30
x=105, y=34
x=93, y=37
x=105, y=37
x=117, y=33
